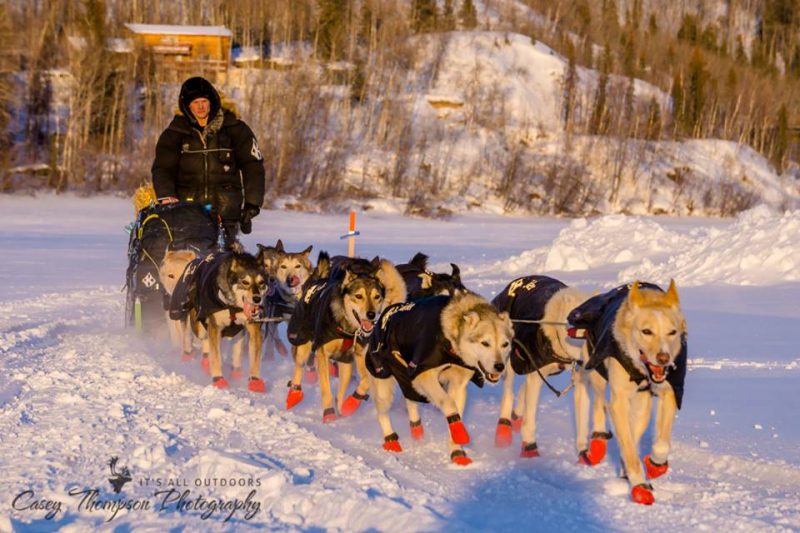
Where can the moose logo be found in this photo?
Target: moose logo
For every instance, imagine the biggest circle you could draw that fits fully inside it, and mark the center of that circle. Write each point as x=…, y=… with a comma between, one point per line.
x=118, y=479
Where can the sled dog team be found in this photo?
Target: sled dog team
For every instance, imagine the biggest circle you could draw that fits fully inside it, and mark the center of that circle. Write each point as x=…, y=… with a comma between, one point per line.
x=429, y=334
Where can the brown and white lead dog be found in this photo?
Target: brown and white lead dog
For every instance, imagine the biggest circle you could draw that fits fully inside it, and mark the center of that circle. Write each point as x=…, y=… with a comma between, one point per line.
x=637, y=339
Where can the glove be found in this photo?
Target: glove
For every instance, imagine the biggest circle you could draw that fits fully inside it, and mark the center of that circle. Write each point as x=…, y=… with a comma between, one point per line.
x=248, y=213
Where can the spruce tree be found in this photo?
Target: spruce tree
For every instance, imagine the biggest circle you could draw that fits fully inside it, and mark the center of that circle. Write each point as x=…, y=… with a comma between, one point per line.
x=468, y=15
x=781, y=138
x=424, y=15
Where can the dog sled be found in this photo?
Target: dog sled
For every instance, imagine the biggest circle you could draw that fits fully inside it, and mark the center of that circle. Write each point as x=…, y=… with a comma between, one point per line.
x=157, y=227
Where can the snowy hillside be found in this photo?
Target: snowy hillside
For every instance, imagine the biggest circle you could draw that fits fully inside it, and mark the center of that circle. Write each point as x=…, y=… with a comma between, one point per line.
x=77, y=389
x=480, y=96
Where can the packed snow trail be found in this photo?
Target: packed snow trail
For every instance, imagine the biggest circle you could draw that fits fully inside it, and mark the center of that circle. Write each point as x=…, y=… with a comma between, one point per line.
x=76, y=389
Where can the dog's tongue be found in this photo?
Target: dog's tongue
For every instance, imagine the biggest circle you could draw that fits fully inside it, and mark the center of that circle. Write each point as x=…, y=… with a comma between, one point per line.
x=366, y=325
x=658, y=372
x=249, y=310
x=294, y=281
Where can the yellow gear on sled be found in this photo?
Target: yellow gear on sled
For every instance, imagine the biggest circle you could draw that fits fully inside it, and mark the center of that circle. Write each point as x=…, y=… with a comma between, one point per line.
x=143, y=197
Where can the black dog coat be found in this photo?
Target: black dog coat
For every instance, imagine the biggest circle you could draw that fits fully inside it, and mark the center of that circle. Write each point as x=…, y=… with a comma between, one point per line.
x=409, y=340
x=525, y=299
x=198, y=287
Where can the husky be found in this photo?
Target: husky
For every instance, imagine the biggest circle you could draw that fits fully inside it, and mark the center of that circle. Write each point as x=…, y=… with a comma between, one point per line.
x=538, y=305
x=433, y=348
x=169, y=272
x=222, y=293
x=287, y=273
x=334, y=319
x=637, y=341
x=421, y=282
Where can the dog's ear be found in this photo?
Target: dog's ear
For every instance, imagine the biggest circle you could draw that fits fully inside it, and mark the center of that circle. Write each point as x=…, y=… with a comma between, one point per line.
x=671, y=298
x=307, y=250
x=634, y=295
x=419, y=261
x=456, y=272
x=376, y=262
x=279, y=246
x=471, y=319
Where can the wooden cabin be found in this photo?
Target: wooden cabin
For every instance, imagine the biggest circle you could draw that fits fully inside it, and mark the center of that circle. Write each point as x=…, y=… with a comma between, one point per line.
x=184, y=51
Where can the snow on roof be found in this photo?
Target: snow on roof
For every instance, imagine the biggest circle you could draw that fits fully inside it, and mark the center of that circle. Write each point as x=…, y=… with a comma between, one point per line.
x=167, y=29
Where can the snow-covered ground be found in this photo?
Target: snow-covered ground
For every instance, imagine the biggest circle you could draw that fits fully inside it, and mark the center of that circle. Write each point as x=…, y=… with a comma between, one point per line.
x=77, y=388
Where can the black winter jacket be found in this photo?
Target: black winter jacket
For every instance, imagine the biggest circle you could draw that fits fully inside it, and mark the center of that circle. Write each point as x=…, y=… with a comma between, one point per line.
x=220, y=164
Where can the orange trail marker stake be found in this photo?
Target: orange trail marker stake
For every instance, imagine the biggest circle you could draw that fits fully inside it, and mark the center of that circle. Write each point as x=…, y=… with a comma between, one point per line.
x=351, y=235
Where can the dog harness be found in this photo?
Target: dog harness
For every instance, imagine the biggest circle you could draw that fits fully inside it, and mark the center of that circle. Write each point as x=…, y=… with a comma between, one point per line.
x=525, y=299
x=597, y=316
x=409, y=341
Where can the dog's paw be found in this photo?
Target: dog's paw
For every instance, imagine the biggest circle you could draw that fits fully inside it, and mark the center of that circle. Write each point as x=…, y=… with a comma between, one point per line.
x=529, y=450
x=643, y=494
x=257, y=385
x=187, y=356
x=352, y=403
x=294, y=396
x=205, y=365
x=654, y=469
x=391, y=443
x=328, y=415
x=503, y=433
x=281, y=348
x=458, y=431
x=460, y=458
x=417, y=431
x=236, y=374
x=310, y=376
x=516, y=422
x=220, y=383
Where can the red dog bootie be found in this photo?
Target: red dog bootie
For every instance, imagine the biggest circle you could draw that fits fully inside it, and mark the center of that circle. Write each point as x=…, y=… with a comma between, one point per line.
x=391, y=443
x=220, y=383
x=351, y=404
x=236, y=374
x=643, y=494
x=205, y=364
x=460, y=458
x=516, y=422
x=458, y=431
x=187, y=356
x=417, y=431
x=257, y=385
x=294, y=396
x=654, y=469
x=310, y=375
x=328, y=415
x=529, y=450
x=503, y=433
x=598, y=445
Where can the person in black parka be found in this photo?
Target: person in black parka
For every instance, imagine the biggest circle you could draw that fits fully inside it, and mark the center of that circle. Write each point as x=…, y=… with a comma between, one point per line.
x=209, y=156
